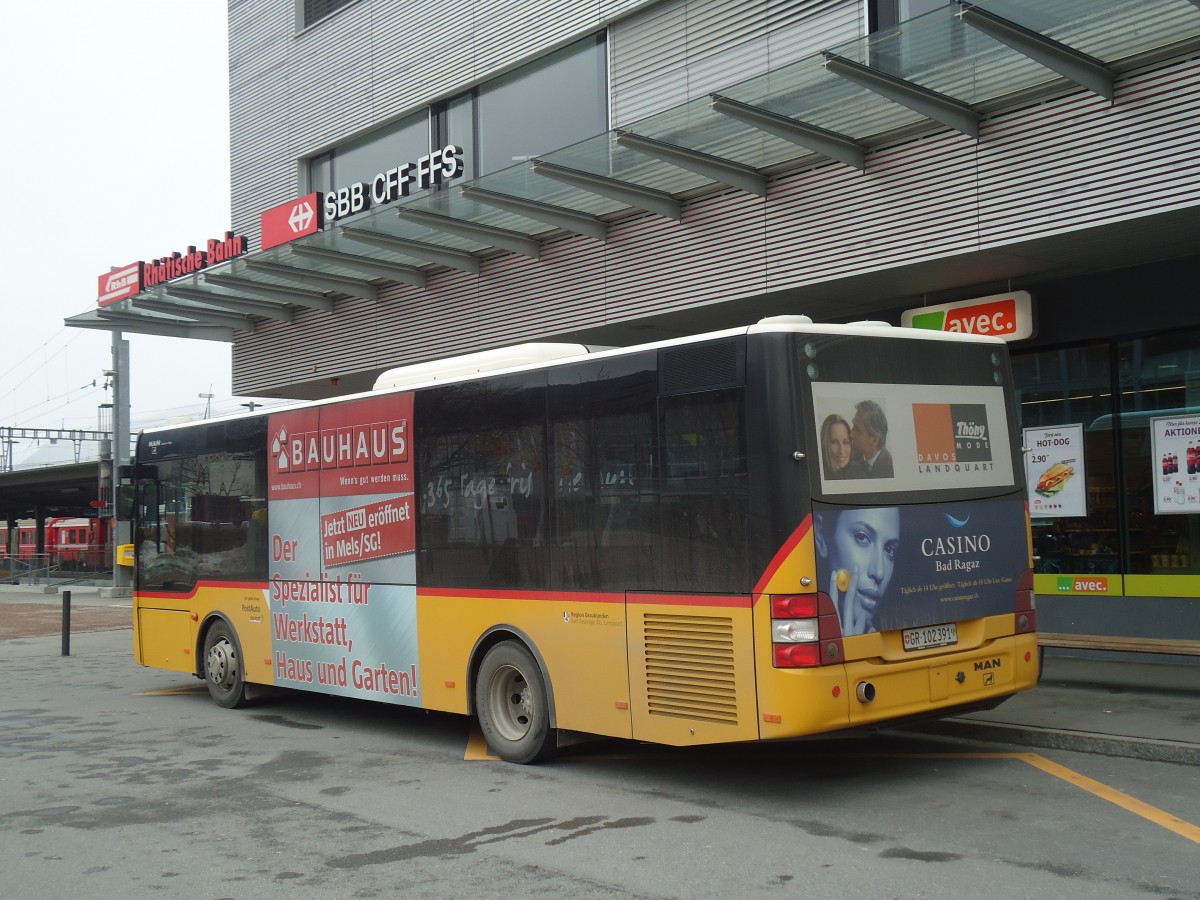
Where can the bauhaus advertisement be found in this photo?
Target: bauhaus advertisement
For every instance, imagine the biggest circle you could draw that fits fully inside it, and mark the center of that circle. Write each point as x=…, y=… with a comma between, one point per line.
x=909, y=566
x=343, y=539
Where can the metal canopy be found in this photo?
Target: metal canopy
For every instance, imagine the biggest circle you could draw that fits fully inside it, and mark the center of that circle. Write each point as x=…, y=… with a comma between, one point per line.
x=442, y=256
x=280, y=292
x=719, y=170
x=945, y=69
x=355, y=287
x=487, y=234
x=558, y=216
x=1079, y=67
x=632, y=195
x=375, y=268
x=950, y=112
x=827, y=143
x=248, y=306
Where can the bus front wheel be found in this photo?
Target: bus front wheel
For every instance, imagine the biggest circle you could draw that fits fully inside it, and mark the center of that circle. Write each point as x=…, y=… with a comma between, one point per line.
x=512, y=704
x=223, y=667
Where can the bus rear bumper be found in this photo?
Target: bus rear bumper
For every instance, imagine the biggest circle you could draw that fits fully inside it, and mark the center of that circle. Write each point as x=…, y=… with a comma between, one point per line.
x=942, y=684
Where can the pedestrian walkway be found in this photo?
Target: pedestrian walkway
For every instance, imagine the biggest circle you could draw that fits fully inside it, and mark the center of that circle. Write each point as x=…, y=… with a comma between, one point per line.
x=1115, y=706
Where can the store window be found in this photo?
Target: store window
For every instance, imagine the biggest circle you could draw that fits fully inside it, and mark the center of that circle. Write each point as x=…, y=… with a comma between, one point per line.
x=1160, y=441
x=1112, y=438
x=1065, y=400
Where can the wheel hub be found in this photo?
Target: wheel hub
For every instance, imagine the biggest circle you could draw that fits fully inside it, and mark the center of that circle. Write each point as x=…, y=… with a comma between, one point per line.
x=222, y=664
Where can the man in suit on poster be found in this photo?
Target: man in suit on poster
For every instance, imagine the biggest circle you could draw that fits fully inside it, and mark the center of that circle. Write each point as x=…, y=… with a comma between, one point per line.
x=868, y=434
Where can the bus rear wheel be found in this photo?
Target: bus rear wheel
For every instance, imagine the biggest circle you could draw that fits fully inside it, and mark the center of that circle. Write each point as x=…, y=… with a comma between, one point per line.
x=223, y=667
x=513, y=706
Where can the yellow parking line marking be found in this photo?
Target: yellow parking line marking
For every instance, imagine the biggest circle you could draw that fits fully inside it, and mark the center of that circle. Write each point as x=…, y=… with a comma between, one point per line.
x=176, y=691
x=1153, y=814
x=1112, y=795
x=477, y=747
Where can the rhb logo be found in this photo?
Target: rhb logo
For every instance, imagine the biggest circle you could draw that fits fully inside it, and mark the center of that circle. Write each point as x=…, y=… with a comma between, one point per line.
x=368, y=444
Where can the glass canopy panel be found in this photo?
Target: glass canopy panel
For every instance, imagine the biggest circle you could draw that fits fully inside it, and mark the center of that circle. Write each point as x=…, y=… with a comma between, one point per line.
x=1108, y=30
x=940, y=52
x=330, y=239
x=603, y=156
x=696, y=126
x=453, y=204
x=284, y=256
x=520, y=181
x=810, y=93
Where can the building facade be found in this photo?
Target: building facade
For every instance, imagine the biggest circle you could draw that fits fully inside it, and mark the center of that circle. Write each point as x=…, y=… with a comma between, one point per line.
x=420, y=182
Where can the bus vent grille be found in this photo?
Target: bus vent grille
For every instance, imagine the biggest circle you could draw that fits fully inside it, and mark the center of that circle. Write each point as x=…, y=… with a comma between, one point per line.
x=705, y=367
x=690, y=667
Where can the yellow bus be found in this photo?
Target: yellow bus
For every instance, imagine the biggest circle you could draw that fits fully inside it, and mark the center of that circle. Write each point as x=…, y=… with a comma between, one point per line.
x=783, y=530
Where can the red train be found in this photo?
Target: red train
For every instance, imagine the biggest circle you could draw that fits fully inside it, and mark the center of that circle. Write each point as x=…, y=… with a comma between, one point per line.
x=72, y=544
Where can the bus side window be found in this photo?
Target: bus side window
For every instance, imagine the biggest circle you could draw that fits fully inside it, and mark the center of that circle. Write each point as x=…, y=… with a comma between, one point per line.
x=481, y=476
x=603, y=484
x=705, y=498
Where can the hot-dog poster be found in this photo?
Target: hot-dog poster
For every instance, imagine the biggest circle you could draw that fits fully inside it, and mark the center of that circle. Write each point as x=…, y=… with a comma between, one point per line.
x=1055, y=472
x=1175, y=456
x=342, y=554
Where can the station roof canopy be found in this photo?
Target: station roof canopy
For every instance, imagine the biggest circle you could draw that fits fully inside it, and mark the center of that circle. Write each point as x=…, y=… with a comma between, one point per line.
x=945, y=70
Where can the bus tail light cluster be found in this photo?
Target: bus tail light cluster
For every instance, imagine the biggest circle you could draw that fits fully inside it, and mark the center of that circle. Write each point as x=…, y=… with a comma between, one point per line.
x=1025, y=615
x=805, y=631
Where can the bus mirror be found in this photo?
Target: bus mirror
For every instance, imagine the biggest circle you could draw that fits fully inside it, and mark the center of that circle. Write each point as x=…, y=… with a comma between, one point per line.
x=125, y=499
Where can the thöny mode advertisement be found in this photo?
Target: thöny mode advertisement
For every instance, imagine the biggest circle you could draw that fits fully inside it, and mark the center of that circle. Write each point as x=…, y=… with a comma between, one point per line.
x=887, y=437
x=343, y=541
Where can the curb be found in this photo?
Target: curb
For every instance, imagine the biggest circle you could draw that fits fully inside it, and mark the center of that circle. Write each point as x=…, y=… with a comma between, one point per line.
x=1059, y=739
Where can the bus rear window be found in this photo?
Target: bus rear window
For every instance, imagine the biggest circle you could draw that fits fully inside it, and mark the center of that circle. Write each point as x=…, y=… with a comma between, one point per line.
x=891, y=421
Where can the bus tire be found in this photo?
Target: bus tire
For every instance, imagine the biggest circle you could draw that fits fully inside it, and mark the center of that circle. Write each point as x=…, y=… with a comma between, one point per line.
x=223, y=671
x=512, y=704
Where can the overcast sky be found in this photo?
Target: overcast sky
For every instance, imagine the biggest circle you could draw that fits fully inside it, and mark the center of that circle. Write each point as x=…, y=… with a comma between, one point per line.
x=116, y=150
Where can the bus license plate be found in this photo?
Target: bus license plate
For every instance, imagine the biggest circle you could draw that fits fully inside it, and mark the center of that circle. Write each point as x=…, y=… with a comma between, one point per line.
x=930, y=636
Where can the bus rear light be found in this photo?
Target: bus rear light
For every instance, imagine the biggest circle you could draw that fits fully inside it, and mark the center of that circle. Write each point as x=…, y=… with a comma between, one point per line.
x=1025, y=622
x=794, y=606
x=797, y=656
x=794, y=631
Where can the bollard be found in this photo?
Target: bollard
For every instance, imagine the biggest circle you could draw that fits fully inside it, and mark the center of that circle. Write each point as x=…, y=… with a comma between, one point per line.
x=66, y=625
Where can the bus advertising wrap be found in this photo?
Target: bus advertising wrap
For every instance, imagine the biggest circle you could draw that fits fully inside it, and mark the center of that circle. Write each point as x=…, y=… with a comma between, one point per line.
x=894, y=437
x=342, y=545
x=902, y=567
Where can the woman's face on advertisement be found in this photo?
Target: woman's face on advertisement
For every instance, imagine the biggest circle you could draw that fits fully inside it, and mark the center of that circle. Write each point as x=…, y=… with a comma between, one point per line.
x=865, y=543
x=839, y=445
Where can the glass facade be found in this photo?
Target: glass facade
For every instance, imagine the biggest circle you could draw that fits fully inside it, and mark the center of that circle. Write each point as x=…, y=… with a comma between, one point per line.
x=552, y=103
x=1135, y=403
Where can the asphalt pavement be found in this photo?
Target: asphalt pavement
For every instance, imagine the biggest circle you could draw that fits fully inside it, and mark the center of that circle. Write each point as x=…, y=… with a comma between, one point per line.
x=1114, y=704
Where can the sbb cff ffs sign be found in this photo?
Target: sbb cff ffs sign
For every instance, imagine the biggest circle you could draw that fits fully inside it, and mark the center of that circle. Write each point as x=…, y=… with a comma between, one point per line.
x=294, y=219
x=1006, y=316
